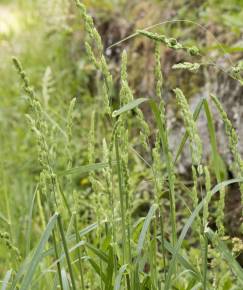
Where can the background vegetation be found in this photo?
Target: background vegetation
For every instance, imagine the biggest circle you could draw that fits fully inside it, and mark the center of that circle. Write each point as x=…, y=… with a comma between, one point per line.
x=111, y=177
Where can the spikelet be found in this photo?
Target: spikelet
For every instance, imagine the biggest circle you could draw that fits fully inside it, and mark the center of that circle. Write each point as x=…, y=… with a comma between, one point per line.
x=231, y=134
x=233, y=146
x=96, y=184
x=195, y=199
x=24, y=78
x=192, y=67
x=158, y=90
x=70, y=116
x=108, y=175
x=40, y=128
x=69, y=126
x=38, y=125
x=157, y=71
x=194, y=189
x=158, y=167
x=91, y=55
x=220, y=212
x=159, y=82
x=97, y=57
x=169, y=42
x=5, y=237
x=195, y=141
x=91, y=139
x=237, y=245
x=169, y=160
x=126, y=96
x=47, y=86
x=41, y=210
x=207, y=200
x=89, y=26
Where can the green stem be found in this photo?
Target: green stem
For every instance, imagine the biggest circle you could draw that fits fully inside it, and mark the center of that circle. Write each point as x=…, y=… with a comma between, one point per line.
x=58, y=263
x=64, y=242
x=121, y=200
x=79, y=254
x=162, y=239
x=169, y=166
x=205, y=261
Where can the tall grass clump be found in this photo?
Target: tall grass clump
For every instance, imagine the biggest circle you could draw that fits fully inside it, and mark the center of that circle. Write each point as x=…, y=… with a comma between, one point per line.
x=120, y=216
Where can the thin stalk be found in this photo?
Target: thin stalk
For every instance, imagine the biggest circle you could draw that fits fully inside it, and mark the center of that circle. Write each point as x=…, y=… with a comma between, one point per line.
x=126, y=248
x=64, y=242
x=162, y=238
x=205, y=261
x=78, y=251
x=121, y=200
x=204, y=244
x=169, y=165
x=159, y=216
x=111, y=199
x=154, y=249
x=57, y=258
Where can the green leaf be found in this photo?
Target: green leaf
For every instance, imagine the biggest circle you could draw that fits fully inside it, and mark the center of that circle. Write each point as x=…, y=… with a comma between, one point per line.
x=71, y=238
x=185, y=263
x=6, y=279
x=225, y=252
x=98, y=252
x=28, y=230
x=213, y=141
x=84, y=169
x=62, y=256
x=118, y=280
x=38, y=253
x=188, y=224
x=146, y=224
x=185, y=137
x=97, y=268
x=128, y=107
x=110, y=268
x=65, y=282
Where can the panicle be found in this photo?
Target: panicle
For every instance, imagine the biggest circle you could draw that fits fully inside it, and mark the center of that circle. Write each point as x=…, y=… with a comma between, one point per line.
x=192, y=67
x=195, y=141
x=169, y=42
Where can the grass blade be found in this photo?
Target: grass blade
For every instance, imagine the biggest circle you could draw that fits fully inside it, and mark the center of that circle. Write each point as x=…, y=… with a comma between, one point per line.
x=6, y=279
x=97, y=252
x=118, y=280
x=169, y=166
x=65, y=247
x=146, y=224
x=185, y=137
x=84, y=169
x=97, y=269
x=65, y=282
x=38, y=253
x=128, y=107
x=28, y=231
x=185, y=263
x=233, y=264
x=188, y=224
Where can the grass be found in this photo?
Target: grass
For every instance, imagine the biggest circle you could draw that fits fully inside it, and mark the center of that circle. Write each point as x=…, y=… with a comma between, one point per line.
x=85, y=227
